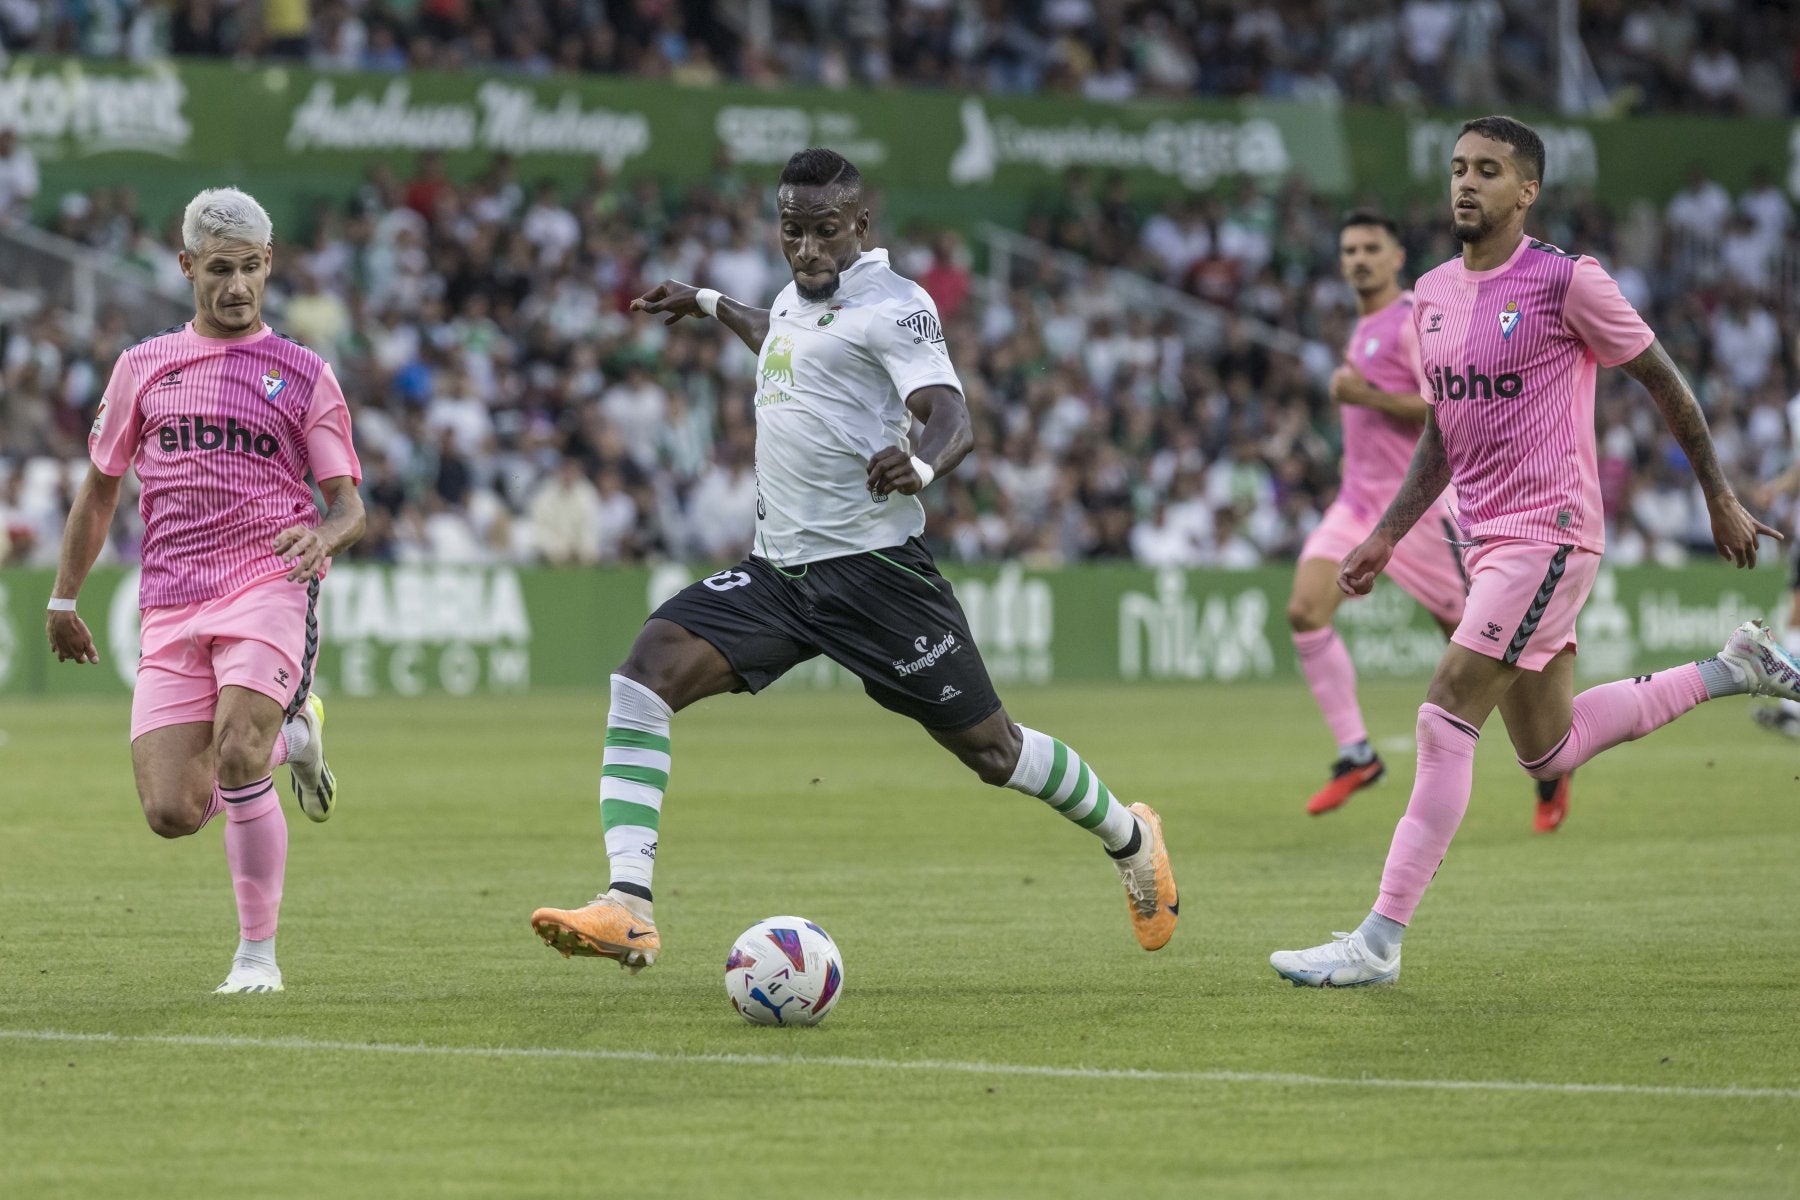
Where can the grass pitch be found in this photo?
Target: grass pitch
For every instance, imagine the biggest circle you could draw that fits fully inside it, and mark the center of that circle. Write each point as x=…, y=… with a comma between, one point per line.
x=1571, y=1010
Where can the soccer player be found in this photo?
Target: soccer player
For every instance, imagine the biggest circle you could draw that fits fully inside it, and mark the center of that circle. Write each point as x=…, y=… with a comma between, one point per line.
x=1509, y=335
x=1377, y=390
x=222, y=418
x=847, y=357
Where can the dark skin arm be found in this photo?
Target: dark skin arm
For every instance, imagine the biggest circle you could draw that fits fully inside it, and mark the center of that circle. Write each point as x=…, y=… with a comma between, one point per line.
x=1425, y=481
x=944, y=442
x=679, y=300
x=1734, y=530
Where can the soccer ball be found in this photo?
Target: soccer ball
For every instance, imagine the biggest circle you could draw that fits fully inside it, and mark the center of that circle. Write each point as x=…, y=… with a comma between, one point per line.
x=784, y=971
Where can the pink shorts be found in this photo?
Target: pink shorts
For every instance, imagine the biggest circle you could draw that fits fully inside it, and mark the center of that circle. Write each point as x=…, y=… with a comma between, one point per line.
x=264, y=637
x=1524, y=597
x=1425, y=565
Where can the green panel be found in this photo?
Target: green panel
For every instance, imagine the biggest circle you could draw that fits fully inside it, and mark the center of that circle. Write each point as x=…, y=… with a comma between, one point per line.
x=473, y=630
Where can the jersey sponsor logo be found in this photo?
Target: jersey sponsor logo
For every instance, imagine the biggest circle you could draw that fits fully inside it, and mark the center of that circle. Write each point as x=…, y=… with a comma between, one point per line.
x=1509, y=318
x=194, y=433
x=273, y=384
x=1469, y=382
x=778, y=360
x=923, y=325
x=928, y=654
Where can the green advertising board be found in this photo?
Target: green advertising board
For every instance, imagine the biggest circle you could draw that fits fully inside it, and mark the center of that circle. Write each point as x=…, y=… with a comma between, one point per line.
x=295, y=136
x=463, y=630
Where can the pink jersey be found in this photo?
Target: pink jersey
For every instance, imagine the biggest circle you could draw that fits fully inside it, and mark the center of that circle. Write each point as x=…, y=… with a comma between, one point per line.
x=222, y=432
x=1378, y=448
x=1509, y=358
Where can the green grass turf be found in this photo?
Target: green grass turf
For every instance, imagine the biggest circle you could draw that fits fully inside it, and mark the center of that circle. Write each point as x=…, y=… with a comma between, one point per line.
x=1652, y=942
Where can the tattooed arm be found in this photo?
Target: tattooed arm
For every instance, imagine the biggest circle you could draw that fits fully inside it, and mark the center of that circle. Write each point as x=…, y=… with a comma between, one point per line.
x=1425, y=481
x=1734, y=529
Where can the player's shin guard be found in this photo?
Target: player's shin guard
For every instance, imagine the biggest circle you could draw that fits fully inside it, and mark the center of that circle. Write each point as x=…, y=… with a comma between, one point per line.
x=633, y=776
x=1440, y=797
x=1055, y=774
x=1622, y=711
x=256, y=845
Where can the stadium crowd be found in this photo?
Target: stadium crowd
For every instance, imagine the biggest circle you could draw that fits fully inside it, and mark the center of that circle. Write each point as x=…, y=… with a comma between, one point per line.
x=508, y=410
x=1720, y=56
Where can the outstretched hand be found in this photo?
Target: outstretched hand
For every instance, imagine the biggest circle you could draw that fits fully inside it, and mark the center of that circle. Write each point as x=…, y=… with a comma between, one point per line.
x=1735, y=531
x=1356, y=577
x=677, y=299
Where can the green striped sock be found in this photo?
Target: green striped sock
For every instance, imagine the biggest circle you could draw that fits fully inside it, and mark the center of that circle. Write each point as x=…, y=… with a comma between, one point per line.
x=1055, y=774
x=634, y=773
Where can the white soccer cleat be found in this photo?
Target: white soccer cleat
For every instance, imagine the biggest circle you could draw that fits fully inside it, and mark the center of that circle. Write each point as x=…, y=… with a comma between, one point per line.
x=1346, y=962
x=315, y=788
x=249, y=977
x=1759, y=658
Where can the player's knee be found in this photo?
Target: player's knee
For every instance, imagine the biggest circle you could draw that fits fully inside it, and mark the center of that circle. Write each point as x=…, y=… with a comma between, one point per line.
x=1305, y=615
x=174, y=819
x=994, y=762
x=241, y=753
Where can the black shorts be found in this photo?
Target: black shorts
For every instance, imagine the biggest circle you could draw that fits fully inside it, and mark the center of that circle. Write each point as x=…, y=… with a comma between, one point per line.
x=885, y=615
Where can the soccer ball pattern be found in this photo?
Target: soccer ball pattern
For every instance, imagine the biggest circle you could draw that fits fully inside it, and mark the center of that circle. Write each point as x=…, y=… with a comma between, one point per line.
x=784, y=971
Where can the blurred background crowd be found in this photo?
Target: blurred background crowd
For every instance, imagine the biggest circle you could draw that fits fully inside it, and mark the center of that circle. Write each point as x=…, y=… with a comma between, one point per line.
x=509, y=410
x=1717, y=56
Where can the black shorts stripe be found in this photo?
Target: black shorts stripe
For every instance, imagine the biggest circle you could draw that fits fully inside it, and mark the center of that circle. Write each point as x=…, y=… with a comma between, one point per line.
x=1539, y=603
x=1454, y=543
x=309, y=655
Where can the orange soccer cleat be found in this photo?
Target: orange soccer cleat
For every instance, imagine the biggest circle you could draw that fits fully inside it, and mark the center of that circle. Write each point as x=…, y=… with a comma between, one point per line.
x=1552, y=803
x=607, y=928
x=1150, y=884
x=1346, y=777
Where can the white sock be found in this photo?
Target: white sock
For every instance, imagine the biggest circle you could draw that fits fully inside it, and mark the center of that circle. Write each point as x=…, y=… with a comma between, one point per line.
x=297, y=736
x=1055, y=774
x=262, y=953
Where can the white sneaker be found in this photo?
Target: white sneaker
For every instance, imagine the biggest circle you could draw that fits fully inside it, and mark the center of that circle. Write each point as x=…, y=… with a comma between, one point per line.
x=1346, y=962
x=1770, y=670
x=315, y=788
x=247, y=976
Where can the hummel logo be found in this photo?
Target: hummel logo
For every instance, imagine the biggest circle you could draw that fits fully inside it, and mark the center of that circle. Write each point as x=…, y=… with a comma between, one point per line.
x=1436, y=320
x=281, y=677
x=633, y=935
x=172, y=378
x=1492, y=633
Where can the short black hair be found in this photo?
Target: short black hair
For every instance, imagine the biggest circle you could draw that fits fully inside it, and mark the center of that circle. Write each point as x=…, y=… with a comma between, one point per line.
x=819, y=167
x=1368, y=216
x=1527, y=146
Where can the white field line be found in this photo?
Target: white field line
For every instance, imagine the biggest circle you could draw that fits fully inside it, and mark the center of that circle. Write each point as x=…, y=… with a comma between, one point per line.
x=1028, y=1070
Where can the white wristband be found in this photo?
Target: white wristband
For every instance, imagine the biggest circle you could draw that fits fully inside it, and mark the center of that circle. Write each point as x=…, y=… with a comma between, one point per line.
x=926, y=474
x=62, y=604
x=708, y=300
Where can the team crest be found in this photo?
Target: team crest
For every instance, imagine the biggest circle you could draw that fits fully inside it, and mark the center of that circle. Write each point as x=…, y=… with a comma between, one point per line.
x=272, y=383
x=831, y=316
x=1509, y=318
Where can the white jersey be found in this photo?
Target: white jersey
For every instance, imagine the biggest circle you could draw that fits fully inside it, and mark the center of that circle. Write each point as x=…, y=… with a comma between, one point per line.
x=831, y=387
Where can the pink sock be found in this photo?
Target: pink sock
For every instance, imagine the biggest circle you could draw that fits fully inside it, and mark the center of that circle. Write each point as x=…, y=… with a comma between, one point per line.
x=1325, y=661
x=1622, y=711
x=1440, y=796
x=256, y=842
